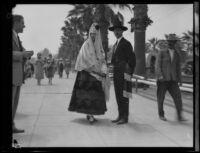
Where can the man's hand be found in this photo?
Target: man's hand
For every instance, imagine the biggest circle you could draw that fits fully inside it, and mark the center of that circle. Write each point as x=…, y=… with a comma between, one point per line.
x=28, y=54
x=103, y=75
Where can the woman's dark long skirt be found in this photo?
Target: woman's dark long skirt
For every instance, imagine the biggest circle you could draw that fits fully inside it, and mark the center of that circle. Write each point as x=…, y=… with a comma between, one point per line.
x=50, y=72
x=87, y=95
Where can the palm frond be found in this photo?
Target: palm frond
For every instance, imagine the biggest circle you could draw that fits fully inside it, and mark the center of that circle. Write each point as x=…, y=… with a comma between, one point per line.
x=120, y=16
x=123, y=6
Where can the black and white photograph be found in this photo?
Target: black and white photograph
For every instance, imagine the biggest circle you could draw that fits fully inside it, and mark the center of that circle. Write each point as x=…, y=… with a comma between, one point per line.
x=105, y=75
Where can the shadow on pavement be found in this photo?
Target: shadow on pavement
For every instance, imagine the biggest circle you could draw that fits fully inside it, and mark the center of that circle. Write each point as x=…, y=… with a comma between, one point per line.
x=100, y=122
x=141, y=127
x=21, y=115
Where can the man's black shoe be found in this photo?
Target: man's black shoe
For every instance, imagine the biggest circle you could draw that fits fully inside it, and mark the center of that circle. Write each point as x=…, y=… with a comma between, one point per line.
x=117, y=120
x=15, y=130
x=181, y=119
x=122, y=121
x=163, y=118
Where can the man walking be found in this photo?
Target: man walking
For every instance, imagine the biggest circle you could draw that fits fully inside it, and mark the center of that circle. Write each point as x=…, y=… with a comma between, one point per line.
x=168, y=75
x=123, y=60
x=19, y=57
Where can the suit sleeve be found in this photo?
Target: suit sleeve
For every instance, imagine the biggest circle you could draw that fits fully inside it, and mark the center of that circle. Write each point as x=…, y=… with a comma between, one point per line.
x=178, y=68
x=17, y=56
x=158, y=64
x=131, y=57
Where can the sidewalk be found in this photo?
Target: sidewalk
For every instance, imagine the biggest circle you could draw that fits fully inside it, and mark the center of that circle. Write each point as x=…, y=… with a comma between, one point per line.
x=43, y=113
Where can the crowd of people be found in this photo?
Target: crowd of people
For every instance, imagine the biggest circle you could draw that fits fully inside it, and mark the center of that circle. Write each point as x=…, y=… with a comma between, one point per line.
x=46, y=67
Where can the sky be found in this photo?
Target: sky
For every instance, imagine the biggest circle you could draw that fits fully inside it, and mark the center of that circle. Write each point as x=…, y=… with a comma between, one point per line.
x=44, y=22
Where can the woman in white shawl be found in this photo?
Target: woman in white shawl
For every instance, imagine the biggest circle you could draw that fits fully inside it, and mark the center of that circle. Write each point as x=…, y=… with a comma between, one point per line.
x=89, y=94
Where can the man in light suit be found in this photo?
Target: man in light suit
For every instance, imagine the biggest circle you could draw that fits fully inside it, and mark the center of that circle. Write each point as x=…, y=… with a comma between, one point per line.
x=122, y=57
x=19, y=56
x=168, y=71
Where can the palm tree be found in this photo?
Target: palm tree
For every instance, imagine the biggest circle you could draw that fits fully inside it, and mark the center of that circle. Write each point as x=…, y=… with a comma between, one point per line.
x=188, y=36
x=104, y=16
x=100, y=13
x=147, y=47
x=139, y=23
x=154, y=43
x=188, y=39
x=72, y=38
x=162, y=45
x=85, y=13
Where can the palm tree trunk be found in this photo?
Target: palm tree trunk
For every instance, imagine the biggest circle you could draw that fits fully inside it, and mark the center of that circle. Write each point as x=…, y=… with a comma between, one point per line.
x=104, y=34
x=104, y=24
x=139, y=48
x=140, y=12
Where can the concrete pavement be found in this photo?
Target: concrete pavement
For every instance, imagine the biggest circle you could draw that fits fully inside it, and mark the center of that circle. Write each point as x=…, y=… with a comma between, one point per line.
x=43, y=113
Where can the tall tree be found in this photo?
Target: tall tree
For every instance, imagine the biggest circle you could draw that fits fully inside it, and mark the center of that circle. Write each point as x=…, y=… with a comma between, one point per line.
x=154, y=43
x=84, y=12
x=147, y=47
x=162, y=44
x=100, y=13
x=188, y=39
x=139, y=23
x=104, y=16
x=72, y=38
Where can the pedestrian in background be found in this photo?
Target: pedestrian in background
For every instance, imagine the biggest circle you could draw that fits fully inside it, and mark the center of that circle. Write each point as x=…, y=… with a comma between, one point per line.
x=67, y=68
x=32, y=69
x=45, y=66
x=168, y=73
x=50, y=68
x=39, y=68
x=60, y=68
x=27, y=69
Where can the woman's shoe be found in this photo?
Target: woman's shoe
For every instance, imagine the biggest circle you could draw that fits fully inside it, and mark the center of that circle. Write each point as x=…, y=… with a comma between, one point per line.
x=92, y=119
x=95, y=120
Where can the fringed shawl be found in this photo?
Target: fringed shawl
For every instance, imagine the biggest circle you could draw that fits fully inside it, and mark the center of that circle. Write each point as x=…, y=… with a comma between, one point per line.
x=91, y=56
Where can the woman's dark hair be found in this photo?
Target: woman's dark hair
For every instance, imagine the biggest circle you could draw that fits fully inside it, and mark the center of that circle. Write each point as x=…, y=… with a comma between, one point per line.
x=97, y=27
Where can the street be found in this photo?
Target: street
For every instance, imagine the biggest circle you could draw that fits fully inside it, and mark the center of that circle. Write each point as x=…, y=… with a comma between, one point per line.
x=43, y=113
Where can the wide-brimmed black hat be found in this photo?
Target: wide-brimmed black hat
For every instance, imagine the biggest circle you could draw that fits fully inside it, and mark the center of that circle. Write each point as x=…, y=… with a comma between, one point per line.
x=117, y=24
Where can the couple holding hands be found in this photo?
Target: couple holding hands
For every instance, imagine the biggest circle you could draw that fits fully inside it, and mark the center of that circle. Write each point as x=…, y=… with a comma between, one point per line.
x=91, y=88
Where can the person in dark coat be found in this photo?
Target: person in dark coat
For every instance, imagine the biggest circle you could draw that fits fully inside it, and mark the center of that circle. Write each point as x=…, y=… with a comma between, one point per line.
x=39, y=68
x=168, y=73
x=67, y=68
x=60, y=68
x=50, y=68
x=123, y=61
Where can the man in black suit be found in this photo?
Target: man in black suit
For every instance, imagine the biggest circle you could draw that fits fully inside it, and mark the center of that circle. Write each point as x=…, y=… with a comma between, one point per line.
x=123, y=56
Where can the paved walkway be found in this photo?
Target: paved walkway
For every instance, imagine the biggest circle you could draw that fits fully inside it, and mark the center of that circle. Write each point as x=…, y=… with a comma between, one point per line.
x=43, y=113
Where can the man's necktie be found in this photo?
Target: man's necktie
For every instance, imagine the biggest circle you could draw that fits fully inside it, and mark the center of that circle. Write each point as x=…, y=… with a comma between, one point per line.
x=171, y=53
x=20, y=45
x=115, y=47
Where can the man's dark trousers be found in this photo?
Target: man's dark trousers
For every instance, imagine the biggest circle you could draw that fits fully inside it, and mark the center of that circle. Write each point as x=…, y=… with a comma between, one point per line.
x=122, y=102
x=173, y=88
